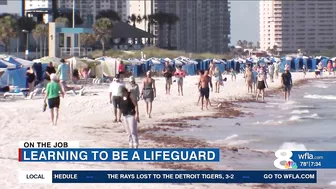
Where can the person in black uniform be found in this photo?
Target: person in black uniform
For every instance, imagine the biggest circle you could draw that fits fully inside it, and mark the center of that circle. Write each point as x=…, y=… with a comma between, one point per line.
x=129, y=111
x=49, y=70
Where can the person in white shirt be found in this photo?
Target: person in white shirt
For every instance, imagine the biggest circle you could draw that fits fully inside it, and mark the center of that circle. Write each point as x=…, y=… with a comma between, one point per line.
x=115, y=97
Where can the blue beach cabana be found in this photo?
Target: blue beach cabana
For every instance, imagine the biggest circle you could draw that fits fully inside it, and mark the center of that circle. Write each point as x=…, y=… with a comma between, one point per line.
x=155, y=65
x=13, y=61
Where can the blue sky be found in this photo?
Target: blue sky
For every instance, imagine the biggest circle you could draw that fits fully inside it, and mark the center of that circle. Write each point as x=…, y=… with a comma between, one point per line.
x=244, y=20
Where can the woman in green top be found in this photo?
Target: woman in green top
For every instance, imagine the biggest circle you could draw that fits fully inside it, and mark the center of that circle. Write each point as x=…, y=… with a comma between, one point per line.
x=53, y=92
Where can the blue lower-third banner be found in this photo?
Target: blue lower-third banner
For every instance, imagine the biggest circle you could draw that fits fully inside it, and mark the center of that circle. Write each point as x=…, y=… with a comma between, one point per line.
x=183, y=176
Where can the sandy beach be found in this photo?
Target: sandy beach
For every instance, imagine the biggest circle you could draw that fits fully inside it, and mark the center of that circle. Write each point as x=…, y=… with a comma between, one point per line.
x=88, y=119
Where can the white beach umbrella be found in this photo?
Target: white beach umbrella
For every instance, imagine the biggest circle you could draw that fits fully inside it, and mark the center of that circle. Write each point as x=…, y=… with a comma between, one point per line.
x=167, y=59
x=178, y=62
x=333, y=59
x=289, y=58
x=241, y=60
x=37, y=61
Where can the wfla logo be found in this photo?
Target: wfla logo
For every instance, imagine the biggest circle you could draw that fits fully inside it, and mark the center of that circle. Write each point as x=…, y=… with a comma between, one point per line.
x=283, y=160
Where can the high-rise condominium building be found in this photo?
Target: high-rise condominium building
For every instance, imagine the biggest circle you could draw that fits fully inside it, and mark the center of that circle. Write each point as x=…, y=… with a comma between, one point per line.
x=203, y=26
x=88, y=9
x=307, y=25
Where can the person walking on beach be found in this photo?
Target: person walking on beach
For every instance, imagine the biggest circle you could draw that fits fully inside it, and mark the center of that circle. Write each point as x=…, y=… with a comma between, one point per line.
x=287, y=83
x=121, y=70
x=49, y=70
x=330, y=67
x=218, y=79
x=148, y=93
x=211, y=68
x=320, y=69
x=180, y=74
x=201, y=73
x=249, y=79
x=254, y=79
x=53, y=93
x=334, y=67
x=276, y=69
x=30, y=77
x=304, y=70
x=64, y=72
x=261, y=85
x=134, y=90
x=129, y=110
x=115, y=97
x=204, y=83
x=233, y=74
x=271, y=72
x=168, y=74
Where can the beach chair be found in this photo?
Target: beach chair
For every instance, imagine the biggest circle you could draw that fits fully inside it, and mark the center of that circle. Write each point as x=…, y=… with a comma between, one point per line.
x=23, y=93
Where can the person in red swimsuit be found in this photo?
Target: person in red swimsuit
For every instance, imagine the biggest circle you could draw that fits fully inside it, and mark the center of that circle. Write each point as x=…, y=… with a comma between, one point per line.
x=121, y=70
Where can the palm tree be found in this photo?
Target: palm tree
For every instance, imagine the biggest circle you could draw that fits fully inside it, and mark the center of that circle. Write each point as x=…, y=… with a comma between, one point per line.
x=258, y=44
x=54, y=10
x=69, y=16
x=160, y=18
x=275, y=50
x=240, y=43
x=27, y=24
x=36, y=37
x=63, y=20
x=150, y=23
x=103, y=31
x=145, y=18
x=250, y=45
x=171, y=20
x=110, y=14
x=245, y=44
x=86, y=40
x=41, y=32
x=8, y=30
x=269, y=50
x=133, y=19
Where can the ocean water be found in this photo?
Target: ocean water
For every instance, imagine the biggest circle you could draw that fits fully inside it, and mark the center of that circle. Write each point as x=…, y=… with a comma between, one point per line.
x=306, y=122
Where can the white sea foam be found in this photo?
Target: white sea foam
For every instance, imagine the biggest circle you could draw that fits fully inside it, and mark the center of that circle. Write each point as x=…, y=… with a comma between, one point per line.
x=231, y=137
x=295, y=118
x=290, y=102
x=333, y=183
x=273, y=103
x=325, y=97
x=269, y=122
x=321, y=86
x=269, y=106
x=293, y=146
x=300, y=112
x=231, y=141
x=301, y=118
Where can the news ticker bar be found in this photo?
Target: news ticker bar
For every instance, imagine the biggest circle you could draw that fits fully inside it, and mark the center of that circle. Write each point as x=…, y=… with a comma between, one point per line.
x=72, y=176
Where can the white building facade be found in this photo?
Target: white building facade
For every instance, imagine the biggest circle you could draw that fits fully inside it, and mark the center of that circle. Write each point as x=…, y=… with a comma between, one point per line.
x=37, y=4
x=293, y=25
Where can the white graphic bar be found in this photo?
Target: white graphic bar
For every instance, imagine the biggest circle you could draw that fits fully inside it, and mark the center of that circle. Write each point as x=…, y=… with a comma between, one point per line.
x=35, y=176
